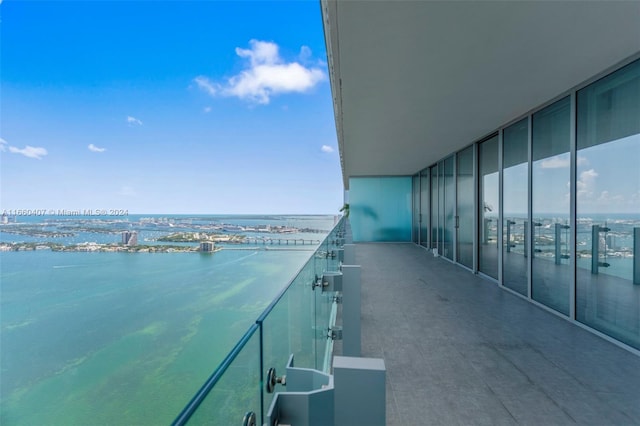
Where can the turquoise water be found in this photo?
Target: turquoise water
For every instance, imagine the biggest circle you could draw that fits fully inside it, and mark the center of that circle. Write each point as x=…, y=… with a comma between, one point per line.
x=124, y=338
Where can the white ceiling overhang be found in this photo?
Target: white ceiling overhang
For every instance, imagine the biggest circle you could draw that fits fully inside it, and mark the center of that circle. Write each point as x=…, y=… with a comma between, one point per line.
x=413, y=81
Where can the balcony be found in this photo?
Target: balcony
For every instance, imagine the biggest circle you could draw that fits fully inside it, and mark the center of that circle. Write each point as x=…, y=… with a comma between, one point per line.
x=459, y=350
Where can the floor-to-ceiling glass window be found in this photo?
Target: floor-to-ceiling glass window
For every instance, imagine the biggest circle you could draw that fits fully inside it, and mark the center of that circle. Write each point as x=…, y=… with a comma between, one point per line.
x=551, y=274
x=608, y=205
x=464, y=197
x=424, y=208
x=434, y=208
x=441, y=209
x=515, y=205
x=415, y=212
x=449, y=208
x=488, y=207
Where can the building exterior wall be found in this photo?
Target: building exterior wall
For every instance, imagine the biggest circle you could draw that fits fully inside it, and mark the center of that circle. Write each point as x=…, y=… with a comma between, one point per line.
x=380, y=208
x=557, y=205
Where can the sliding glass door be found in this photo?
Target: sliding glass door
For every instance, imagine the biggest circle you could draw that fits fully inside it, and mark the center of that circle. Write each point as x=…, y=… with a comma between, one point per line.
x=464, y=204
x=488, y=207
x=515, y=201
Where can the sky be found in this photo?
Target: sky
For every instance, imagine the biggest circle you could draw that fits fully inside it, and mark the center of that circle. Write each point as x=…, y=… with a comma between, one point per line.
x=208, y=107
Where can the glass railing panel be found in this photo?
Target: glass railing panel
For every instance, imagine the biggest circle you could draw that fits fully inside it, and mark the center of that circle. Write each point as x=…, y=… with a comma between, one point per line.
x=325, y=316
x=232, y=390
x=296, y=322
x=333, y=263
x=325, y=305
x=288, y=327
x=321, y=257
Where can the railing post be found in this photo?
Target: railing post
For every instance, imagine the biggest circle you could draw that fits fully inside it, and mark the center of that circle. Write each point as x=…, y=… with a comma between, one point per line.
x=360, y=394
x=558, y=241
x=349, y=254
x=636, y=256
x=595, y=248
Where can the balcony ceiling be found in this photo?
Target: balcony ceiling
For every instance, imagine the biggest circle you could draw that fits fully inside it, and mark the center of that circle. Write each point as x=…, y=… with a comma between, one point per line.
x=416, y=80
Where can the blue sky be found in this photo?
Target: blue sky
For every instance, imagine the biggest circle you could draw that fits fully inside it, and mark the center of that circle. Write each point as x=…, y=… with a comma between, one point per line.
x=167, y=107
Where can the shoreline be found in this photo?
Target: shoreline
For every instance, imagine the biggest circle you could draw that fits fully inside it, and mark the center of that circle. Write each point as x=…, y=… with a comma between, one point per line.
x=102, y=248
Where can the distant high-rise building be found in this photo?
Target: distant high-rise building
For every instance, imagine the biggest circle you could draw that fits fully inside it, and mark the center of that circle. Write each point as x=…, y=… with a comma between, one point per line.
x=207, y=246
x=130, y=238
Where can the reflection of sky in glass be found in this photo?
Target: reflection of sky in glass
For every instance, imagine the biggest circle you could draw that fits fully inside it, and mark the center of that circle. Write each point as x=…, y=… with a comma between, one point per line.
x=608, y=177
x=490, y=194
x=608, y=180
x=515, y=190
x=551, y=184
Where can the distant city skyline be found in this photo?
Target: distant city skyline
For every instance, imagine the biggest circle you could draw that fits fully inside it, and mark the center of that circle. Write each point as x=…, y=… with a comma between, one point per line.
x=167, y=107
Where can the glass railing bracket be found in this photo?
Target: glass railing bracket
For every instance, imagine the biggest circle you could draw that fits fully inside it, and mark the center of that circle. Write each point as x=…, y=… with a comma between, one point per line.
x=273, y=379
x=249, y=419
x=329, y=281
x=334, y=333
x=318, y=282
x=333, y=280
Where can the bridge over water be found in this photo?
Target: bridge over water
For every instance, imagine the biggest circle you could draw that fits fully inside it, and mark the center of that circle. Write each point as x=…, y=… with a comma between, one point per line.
x=273, y=242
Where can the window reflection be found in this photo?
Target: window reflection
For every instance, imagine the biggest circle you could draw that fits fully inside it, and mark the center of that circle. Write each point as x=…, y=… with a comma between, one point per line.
x=608, y=205
x=464, y=196
x=449, y=207
x=488, y=207
x=515, y=201
x=415, y=227
x=424, y=208
x=434, y=207
x=551, y=275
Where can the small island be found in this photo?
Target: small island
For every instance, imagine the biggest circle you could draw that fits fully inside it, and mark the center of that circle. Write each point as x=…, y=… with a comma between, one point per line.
x=196, y=237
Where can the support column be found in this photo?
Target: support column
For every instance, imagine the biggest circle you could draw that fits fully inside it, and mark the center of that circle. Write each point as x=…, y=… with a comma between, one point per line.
x=360, y=394
x=349, y=254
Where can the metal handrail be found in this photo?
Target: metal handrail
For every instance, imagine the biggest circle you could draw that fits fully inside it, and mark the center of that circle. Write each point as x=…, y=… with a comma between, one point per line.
x=203, y=392
x=280, y=295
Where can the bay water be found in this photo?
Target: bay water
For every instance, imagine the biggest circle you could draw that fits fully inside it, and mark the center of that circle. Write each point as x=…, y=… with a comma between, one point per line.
x=126, y=338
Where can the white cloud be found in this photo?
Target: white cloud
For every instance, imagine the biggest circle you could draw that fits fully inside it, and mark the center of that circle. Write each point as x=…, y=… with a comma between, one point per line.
x=29, y=151
x=586, y=183
x=206, y=85
x=94, y=148
x=326, y=148
x=133, y=121
x=305, y=53
x=266, y=75
x=207, y=109
x=556, y=162
x=606, y=198
x=582, y=161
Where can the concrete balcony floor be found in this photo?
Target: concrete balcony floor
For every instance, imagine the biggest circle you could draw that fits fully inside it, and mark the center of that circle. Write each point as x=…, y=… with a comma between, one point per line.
x=461, y=351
